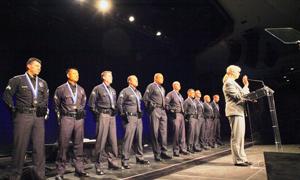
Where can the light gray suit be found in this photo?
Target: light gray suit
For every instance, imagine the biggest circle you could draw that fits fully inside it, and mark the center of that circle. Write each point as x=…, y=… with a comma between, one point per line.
x=234, y=111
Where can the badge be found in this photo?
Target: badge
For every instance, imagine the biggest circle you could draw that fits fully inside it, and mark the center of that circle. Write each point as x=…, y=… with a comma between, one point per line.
x=41, y=84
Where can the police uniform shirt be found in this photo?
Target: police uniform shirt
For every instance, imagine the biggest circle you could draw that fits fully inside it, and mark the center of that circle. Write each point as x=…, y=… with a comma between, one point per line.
x=154, y=94
x=100, y=98
x=200, y=108
x=174, y=102
x=129, y=100
x=208, y=110
x=216, y=109
x=20, y=88
x=63, y=98
x=190, y=107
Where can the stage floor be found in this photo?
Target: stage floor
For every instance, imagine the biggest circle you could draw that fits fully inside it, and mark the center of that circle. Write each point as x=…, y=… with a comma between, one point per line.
x=222, y=168
x=212, y=164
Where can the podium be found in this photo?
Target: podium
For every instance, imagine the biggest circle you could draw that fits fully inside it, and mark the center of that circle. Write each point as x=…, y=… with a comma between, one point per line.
x=265, y=91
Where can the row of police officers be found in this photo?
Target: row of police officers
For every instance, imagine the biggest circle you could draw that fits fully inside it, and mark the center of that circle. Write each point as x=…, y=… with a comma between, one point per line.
x=27, y=98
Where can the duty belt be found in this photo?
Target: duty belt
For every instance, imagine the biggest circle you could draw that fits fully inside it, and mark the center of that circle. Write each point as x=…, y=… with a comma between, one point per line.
x=70, y=114
x=26, y=110
x=107, y=111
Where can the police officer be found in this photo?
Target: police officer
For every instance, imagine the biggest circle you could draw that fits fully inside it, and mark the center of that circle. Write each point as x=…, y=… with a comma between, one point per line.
x=200, y=131
x=191, y=115
x=217, y=123
x=102, y=103
x=174, y=106
x=129, y=105
x=154, y=99
x=209, y=118
x=28, y=112
x=69, y=102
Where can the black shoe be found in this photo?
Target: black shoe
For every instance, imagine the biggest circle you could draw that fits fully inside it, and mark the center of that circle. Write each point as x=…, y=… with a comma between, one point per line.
x=114, y=167
x=126, y=165
x=81, y=174
x=175, y=154
x=197, y=150
x=191, y=151
x=99, y=171
x=59, y=177
x=165, y=156
x=249, y=163
x=241, y=164
x=158, y=159
x=142, y=161
x=205, y=148
x=184, y=152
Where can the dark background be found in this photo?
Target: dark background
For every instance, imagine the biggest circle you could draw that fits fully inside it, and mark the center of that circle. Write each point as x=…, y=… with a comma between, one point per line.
x=199, y=40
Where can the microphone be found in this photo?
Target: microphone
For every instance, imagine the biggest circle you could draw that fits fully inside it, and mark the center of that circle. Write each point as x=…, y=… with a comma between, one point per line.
x=256, y=80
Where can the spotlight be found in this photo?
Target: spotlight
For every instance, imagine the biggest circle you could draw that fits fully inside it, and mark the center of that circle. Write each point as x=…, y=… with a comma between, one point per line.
x=158, y=33
x=103, y=5
x=131, y=18
x=284, y=77
x=292, y=69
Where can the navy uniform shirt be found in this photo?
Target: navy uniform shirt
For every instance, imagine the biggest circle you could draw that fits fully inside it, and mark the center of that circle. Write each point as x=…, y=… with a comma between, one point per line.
x=190, y=107
x=174, y=102
x=216, y=109
x=63, y=100
x=208, y=111
x=155, y=95
x=19, y=88
x=100, y=98
x=129, y=100
x=200, y=108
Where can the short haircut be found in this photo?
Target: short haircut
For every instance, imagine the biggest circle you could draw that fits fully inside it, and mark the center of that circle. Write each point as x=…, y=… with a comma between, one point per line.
x=32, y=59
x=157, y=74
x=105, y=73
x=189, y=90
x=130, y=77
x=216, y=95
x=69, y=69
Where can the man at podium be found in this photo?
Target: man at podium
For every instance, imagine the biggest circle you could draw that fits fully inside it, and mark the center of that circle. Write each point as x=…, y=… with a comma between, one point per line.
x=234, y=110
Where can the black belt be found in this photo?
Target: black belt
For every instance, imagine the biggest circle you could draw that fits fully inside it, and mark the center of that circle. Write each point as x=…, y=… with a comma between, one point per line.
x=26, y=110
x=111, y=112
x=70, y=114
x=194, y=116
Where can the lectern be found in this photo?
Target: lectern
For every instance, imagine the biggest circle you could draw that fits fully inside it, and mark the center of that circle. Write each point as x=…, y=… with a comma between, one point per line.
x=269, y=93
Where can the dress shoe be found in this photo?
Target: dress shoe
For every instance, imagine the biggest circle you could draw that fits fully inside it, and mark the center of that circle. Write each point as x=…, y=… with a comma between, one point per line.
x=81, y=174
x=197, y=150
x=241, y=164
x=191, y=151
x=205, y=148
x=165, y=156
x=175, y=154
x=99, y=171
x=249, y=163
x=59, y=177
x=126, y=165
x=114, y=167
x=142, y=161
x=158, y=159
x=184, y=152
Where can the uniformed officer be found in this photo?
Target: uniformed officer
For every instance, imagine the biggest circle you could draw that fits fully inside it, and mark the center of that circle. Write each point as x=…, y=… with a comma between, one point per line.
x=102, y=103
x=69, y=104
x=217, y=122
x=28, y=112
x=154, y=99
x=129, y=106
x=200, y=131
x=209, y=118
x=191, y=115
x=174, y=106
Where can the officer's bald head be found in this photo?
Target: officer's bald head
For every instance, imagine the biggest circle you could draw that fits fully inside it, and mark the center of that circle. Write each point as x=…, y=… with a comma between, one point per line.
x=132, y=80
x=206, y=98
x=176, y=85
x=158, y=78
x=191, y=93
